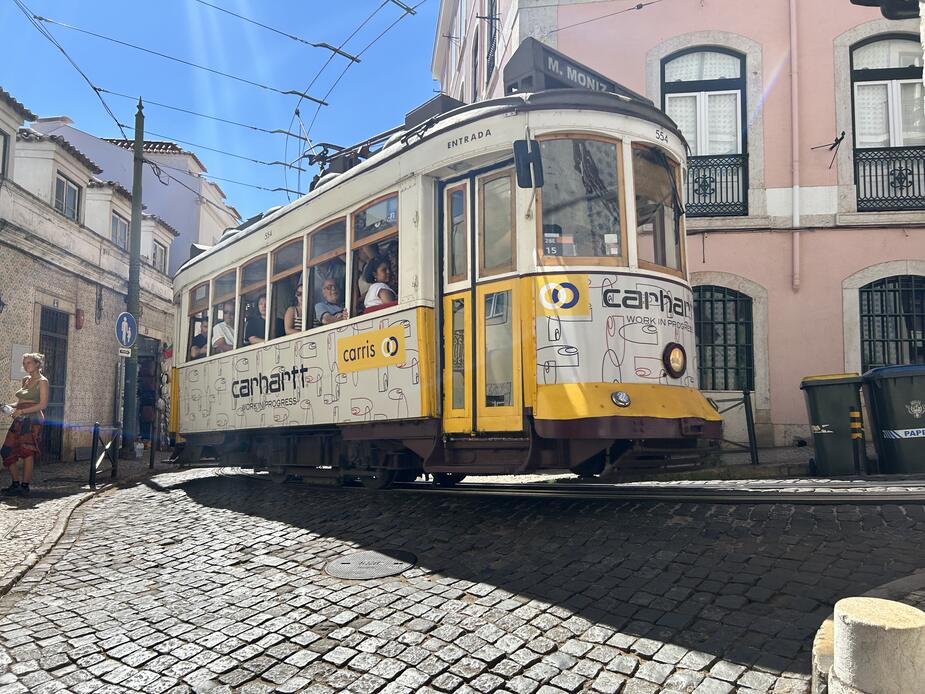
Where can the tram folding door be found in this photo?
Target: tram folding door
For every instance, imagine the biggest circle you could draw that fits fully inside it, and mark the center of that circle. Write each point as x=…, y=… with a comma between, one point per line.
x=482, y=378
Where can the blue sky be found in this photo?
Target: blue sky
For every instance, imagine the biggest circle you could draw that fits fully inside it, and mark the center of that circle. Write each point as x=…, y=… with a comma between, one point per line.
x=393, y=77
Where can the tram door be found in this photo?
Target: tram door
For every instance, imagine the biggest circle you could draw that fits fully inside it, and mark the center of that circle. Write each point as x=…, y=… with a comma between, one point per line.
x=483, y=389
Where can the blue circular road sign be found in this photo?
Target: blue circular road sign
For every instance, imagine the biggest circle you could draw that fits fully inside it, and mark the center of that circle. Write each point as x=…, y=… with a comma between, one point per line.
x=126, y=329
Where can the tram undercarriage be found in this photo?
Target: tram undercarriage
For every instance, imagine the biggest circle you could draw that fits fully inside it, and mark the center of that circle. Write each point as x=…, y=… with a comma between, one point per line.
x=380, y=454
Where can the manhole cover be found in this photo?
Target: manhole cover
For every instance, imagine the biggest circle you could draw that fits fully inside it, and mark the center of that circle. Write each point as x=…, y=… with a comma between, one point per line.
x=369, y=564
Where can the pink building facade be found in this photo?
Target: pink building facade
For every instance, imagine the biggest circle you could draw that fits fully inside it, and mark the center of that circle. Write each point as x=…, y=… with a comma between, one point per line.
x=805, y=259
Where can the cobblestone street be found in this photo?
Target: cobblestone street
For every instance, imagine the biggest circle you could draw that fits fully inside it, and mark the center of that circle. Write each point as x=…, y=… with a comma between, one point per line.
x=203, y=582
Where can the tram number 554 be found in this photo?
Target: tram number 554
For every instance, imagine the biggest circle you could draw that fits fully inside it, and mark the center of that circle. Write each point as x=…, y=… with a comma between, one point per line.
x=661, y=136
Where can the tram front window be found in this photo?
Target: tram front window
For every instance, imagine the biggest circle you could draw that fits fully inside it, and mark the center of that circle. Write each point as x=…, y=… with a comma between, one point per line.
x=580, y=198
x=658, y=208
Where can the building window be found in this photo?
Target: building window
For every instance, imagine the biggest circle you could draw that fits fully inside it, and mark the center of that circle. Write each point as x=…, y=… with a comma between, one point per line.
x=119, y=231
x=159, y=257
x=493, y=20
x=475, y=67
x=67, y=197
x=703, y=90
x=725, y=345
x=893, y=321
x=889, y=123
x=4, y=149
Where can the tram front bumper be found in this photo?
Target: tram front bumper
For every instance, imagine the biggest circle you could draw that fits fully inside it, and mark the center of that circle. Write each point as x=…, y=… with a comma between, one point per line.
x=654, y=411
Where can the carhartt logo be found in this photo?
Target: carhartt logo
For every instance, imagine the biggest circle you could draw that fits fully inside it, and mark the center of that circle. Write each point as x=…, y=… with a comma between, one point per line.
x=916, y=408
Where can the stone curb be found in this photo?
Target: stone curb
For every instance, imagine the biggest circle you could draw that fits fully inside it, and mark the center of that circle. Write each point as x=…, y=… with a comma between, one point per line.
x=9, y=580
x=823, y=642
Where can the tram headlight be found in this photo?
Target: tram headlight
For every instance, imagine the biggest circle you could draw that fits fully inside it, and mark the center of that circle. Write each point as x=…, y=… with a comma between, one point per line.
x=675, y=360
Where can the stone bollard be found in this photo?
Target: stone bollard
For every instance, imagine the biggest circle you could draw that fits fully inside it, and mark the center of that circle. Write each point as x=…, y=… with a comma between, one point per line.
x=879, y=648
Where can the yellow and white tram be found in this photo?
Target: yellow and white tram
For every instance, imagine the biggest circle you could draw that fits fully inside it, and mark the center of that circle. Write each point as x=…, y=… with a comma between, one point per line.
x=498, y=289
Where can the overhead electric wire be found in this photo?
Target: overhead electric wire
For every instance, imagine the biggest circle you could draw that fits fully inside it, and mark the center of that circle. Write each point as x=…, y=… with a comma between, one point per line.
x=209, y=176
x=149, y=102
x=638, y=6
x=301, y=95
x=407, y=11
x=48, y=35
x=213, y=149
x=293, y=37
x=157, y=172
x=295, y=111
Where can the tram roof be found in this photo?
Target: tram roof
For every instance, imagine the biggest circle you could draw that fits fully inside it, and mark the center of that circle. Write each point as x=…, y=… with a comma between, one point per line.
x=574, y=99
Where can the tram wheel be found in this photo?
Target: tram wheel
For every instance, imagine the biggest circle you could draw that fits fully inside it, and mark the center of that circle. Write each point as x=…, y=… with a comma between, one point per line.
x=448, y=479
x=278, y=475
x=380, y=479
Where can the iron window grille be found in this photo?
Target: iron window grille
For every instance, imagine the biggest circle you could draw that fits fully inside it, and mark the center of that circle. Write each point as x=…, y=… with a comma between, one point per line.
x=717, y=178
x=725, y=343
x=892, y=312
x=493, y=19
x=889, y=161
x=717, y=186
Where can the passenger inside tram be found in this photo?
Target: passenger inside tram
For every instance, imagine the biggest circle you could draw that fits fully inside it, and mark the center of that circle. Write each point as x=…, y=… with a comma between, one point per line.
x=331, y=307
x=223, y=332
x=378, y=276
x=293, y=318
x=255, y=322
x=199, y=344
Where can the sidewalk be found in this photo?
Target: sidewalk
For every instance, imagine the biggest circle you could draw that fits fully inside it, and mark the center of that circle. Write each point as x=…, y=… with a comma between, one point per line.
x=30, y=526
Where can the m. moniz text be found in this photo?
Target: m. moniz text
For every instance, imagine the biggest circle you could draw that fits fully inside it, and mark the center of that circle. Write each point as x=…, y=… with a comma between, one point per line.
x=276, y=382
x=644, y=300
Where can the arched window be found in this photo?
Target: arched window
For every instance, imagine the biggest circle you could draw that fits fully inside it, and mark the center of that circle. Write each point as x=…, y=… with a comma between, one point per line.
x=893, y=321
x=725, y=342
x=886, y=75
x=703, y=90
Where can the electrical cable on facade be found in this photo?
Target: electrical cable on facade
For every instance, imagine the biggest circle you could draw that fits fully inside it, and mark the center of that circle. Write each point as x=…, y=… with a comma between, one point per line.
x=638, y=6
x=292, y=92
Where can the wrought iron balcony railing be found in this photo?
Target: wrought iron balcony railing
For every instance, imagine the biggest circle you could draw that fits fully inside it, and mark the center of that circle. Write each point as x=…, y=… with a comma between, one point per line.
x=717, y=185
x=890, y=178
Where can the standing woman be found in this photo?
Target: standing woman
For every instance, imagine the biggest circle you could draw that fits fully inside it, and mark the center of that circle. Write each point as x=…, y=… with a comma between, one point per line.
x=22, y=440
x=293, y=317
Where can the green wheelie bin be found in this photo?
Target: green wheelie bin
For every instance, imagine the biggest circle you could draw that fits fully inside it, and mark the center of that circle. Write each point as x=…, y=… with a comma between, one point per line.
x=895, y=397
x=828, y=401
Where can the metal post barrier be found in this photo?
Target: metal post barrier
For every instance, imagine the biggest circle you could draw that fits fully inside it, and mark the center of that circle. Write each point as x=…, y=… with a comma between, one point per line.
x=750, y=426
x=93, y=450
x=857, y=440
x=155, y=437
x=116, y=446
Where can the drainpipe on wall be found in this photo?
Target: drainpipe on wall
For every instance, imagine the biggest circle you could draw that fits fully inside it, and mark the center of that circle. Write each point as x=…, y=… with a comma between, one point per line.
x=794, y=149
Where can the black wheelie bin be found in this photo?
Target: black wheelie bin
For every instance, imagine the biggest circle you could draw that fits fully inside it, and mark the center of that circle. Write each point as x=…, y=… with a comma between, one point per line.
x=895, y=397
x=828, y=401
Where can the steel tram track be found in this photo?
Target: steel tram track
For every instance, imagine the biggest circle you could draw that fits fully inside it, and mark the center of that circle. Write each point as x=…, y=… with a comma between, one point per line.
x=837, y=492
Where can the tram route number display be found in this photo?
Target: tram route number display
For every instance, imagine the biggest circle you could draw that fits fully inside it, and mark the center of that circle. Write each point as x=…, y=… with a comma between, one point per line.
x=371, y=350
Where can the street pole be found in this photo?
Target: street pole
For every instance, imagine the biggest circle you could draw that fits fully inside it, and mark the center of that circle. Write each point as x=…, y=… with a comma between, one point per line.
x=130, y=408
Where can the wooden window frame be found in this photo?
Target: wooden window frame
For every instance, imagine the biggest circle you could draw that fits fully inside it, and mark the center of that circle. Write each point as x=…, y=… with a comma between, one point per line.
x=325, y=257
x=480, y=185
x=275, y=276
x=192, y=309
x=621, y=260
x=77, y=203
x=448, y=216
x=216, y=300
x=247, y=289
x=116, y=216
x=682, y=230
x=154, y=246
x=379, y=235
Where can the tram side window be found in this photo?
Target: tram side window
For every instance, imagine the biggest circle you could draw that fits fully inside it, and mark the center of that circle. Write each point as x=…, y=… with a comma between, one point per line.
x=580, y=198
x=457, y=233
x=658, y=208
x=327, y=273
x=375, y=255
x=198, y=322
x=223, y=312
x=287, y=301
x=496, y=240
x=253, y=302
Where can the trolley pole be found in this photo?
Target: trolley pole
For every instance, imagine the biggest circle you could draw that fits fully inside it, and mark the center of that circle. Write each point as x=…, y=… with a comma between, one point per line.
x=130, y=408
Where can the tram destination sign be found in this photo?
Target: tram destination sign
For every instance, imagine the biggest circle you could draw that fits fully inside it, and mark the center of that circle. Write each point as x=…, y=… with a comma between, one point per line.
x=535, y=66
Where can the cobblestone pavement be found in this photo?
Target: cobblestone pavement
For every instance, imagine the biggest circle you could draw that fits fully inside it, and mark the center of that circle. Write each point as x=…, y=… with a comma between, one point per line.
x=26, y=523
x=203, y=582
